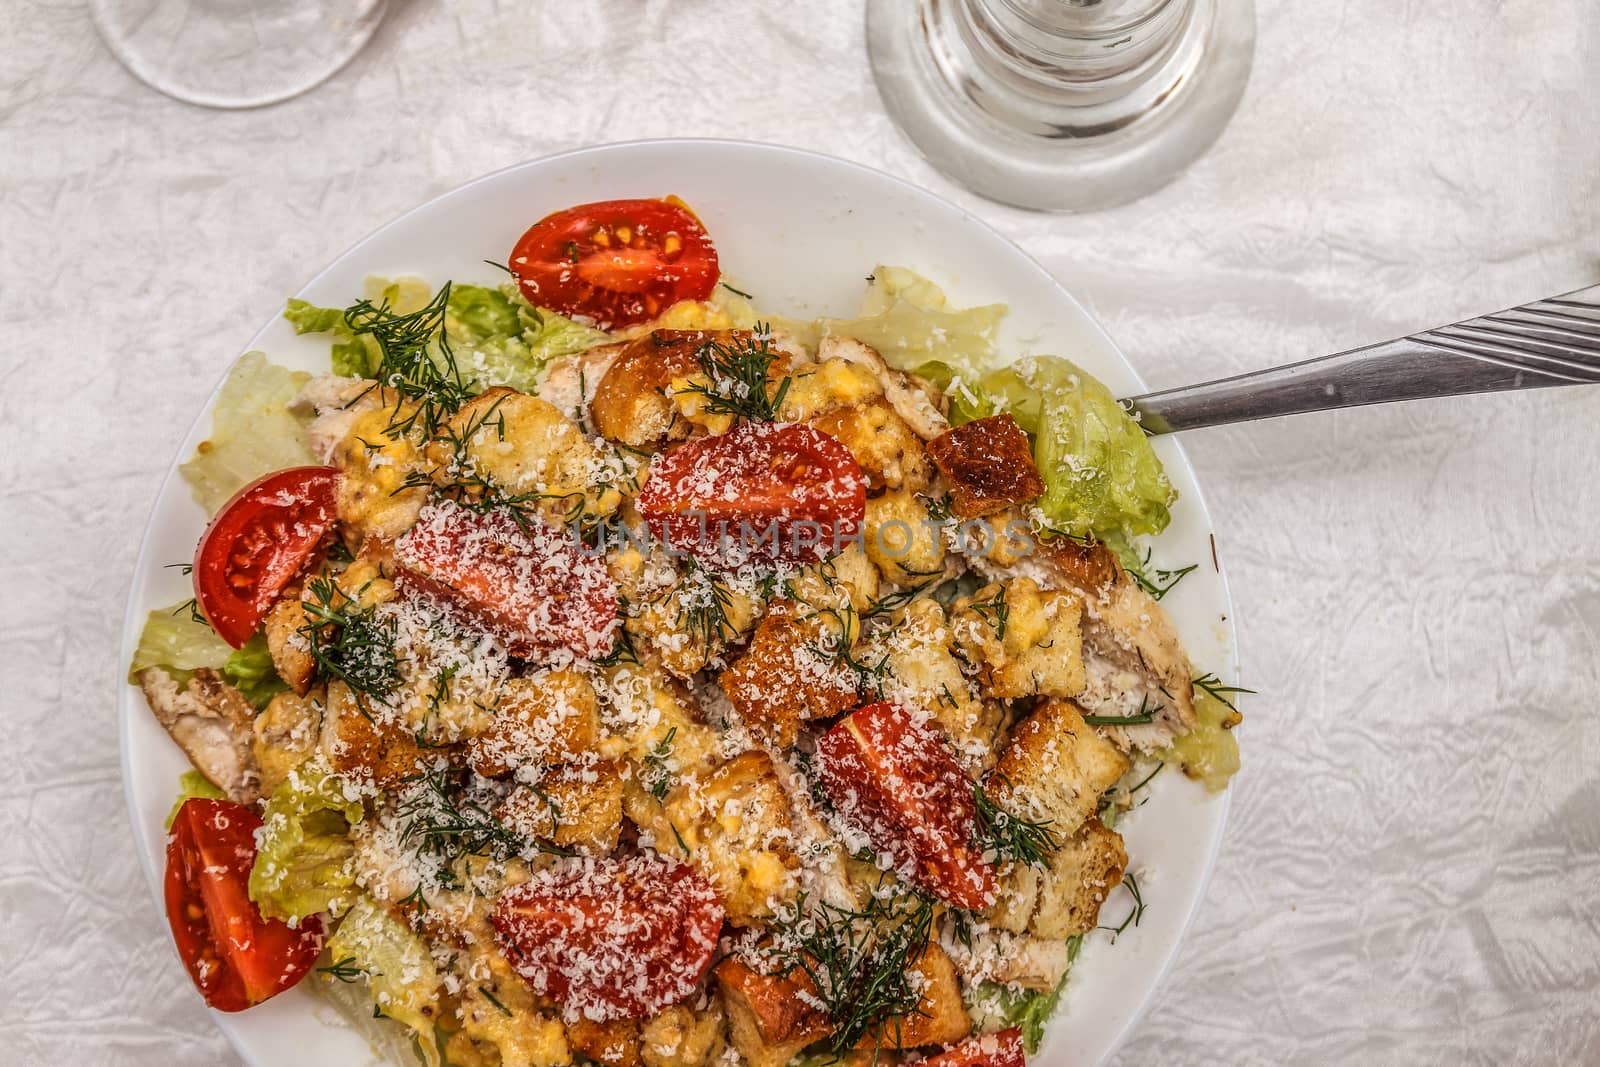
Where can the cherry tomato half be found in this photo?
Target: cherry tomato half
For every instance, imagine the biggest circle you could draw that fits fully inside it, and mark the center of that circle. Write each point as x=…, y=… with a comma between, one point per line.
x=261, y=540
x=617, y=262
x=782, y=491
x=611, y=939
x=235, y=957
x=898, y=780
x=1002, y=1049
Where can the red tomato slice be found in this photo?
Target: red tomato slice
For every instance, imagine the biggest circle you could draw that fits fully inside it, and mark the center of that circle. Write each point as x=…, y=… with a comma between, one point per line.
x=611, y=939
x=235, y=957
x=526, y=582
x=1002, y=1049
x=776, y=491
x=898, y=780
x=260, y=541
x=618, y=262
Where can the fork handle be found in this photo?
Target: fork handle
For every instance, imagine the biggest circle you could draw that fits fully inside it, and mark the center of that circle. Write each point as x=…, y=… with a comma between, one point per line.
x=1532, y=346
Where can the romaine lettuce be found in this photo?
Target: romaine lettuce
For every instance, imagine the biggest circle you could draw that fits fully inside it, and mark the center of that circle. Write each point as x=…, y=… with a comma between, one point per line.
x=250, y=670
x=253, y=432
x=193, y=784
x=1210, y=752
x=910, y=322
x=401, y=975
x=305, y=861
x=996, y=1006
x=175, y=640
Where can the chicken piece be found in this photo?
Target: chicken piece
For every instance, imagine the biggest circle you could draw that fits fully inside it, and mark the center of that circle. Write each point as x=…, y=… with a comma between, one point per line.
x=912, y=399
x=903, y=539
x=335, y=401
x=989, y=465
x=1064, y=898
x=995, y=955
x=213, y=723
x=527, y=448
x=770, y=1018
x=1054, y=768
x=1023, y=640
x=290, y=651
x=612, y=1044
x=548, y=718
x=682, y=1037
x=381, y=753
x=382, y=478
x=576, y=806
x=1134, y=663
x=889, y=452
x=630, y=404
x=736, y=827
x=571, y=381
x=284, y=736
x=793, y=671
x=940, y=1015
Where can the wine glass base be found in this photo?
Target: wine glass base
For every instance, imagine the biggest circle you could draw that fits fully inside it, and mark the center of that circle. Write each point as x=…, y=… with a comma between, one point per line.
x=1069, y=152
x=235, y=53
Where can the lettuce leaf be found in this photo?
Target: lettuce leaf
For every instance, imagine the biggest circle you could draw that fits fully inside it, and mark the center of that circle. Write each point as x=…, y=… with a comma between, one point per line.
x=908, y=319
x=250, y=670
x=193, y=784
x=400, y=972
x=253, y=432
x=305, y=860
x=1210, y=752
x=176, y=641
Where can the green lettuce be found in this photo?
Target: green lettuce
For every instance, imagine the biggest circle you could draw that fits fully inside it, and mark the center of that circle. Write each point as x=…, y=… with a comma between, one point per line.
x=908, y=319
x=178, y=641
x=193, y=784
x=253, y=432
x=497, y=337
x=250, y=670
x=305, y=860
x=401, y=975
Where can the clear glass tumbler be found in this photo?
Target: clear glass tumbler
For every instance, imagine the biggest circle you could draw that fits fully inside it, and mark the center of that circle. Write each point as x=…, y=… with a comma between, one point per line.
x=235, y=53
x=1061, y=105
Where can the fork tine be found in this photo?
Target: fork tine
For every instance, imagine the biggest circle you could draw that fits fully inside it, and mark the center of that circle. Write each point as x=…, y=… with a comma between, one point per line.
x=1545, y=329
x=1580, y=347
x=1512, y=357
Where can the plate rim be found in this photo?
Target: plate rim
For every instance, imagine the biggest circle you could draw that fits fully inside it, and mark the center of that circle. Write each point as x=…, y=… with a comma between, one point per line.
x=134, y=612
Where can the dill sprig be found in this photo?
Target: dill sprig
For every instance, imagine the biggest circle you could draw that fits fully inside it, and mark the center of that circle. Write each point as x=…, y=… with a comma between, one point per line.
x=492, y=999
x=861, y=962
x=438, y=818
x=703, y=604
x=346, y=970
x=415, y=361
x=1131, y=884
x=995, y=612
x=1157, y=581
x=658, y=777
x=1211, y=684
x=1144, y=716
x=1012, y=837
x=892, y=602
x=350, y=644
x=736, y=372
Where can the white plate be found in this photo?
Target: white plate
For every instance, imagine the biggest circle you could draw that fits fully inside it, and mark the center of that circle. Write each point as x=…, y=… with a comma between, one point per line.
x=799, y=231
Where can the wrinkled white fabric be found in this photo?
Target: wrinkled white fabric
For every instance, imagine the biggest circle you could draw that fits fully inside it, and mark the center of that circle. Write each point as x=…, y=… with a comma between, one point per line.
x=1412, y=872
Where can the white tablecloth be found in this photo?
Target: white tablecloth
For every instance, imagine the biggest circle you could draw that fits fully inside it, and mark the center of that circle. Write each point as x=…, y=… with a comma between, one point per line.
x=1412, y=873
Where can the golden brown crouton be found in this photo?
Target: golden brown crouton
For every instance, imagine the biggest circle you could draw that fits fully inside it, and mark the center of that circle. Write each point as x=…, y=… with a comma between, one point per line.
x=576, y=806
x=769, y=1018
x=940, y=1017
x=549, y=718
x=1055, y=768
x=288, y=647
x=359, y=748
x=284, y=735
x=989, y=465
x=376, y=495
x=1082, y=872
x=614, y=1044
x=902, y=539
x=792, y=672
x=630, y=404
x=1025, y=641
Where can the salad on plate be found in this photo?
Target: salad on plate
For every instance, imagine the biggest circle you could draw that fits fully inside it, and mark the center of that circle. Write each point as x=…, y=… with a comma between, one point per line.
x=590, y=666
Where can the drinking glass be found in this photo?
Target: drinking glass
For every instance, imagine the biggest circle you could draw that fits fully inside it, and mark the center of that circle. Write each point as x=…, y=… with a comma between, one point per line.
x=1061, y=105
x=235, y=53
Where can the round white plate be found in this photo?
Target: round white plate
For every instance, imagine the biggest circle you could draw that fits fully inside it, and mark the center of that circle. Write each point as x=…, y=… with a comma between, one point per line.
x=800, y=232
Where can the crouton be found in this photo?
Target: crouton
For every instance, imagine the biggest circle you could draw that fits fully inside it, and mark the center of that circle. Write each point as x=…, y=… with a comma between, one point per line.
x=1082, y=873
x=989, y=465
x=1024, y=641
x=691, y=622
x=792, y=672
x=681, y=1037
x=358, y=747
x=769, y=1016
x=940, y=1015
x=284, y=735
x=576, y=806
x=288, y=647
x=630, y=404
x=377, y=496
x=1054, y=768
x=902, y=539
x=613, y=1044
x=548, y=718
x=913, y=399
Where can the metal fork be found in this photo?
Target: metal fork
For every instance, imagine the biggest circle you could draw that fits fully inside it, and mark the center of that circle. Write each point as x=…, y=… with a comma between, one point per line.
x=1533, y=346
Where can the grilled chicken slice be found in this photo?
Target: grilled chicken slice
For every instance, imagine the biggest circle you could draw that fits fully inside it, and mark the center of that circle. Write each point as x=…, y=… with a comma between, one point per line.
x=911, y=400
x=213, y=723
x=571, y=381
